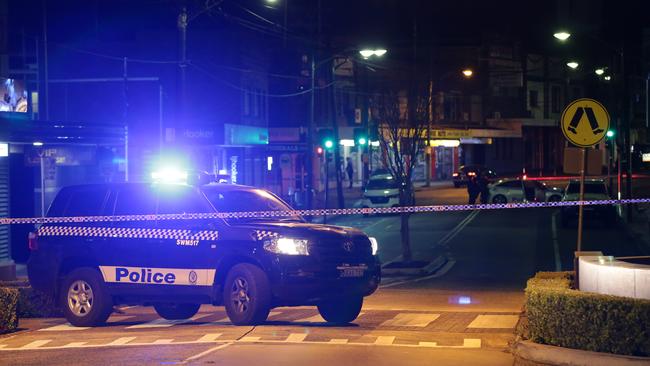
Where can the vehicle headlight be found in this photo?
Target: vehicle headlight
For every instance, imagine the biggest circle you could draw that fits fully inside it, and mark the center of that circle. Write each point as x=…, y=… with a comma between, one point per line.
x=374, y=245
x=288, y=246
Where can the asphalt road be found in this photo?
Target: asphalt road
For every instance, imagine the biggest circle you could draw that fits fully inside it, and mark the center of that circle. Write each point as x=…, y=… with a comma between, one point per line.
x=464, y=313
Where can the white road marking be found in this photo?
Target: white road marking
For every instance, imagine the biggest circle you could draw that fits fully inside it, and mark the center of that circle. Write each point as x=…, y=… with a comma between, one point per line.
x=471, y=343
x=199, y=355
x=157, y=323
x=457, y=229
x=226, y=320
x=74, y=344
x=556, y=245
x=296, y=337
x=120, y=341
x=338, y=340
x=210, y=337
x=410, y=320
x=62, y=327
x=125, y=342
x=162, y=341
x=494, y=321
x=36, y=344
x=250, y=339
x=428, y=344
x=385, y=340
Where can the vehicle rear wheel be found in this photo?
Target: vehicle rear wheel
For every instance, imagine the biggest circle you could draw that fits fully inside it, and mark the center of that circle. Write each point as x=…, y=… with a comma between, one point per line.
x=172, y=311
x=341, y=310
x=499, y=199
x=84, y=299
x=247, y=295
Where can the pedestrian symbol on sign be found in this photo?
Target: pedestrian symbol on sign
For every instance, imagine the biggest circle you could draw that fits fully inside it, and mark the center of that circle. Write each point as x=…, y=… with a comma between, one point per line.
x=585, y=122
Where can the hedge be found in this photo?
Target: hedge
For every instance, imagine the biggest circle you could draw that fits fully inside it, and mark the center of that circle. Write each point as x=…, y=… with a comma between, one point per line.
x=8, y=303
x=560, y=316
x=32, y=303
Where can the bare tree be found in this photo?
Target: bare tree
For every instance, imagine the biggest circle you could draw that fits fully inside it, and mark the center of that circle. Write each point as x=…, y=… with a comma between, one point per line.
x=402, y=124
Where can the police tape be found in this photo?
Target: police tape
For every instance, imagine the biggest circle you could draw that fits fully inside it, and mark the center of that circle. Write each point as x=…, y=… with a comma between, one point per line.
x=314, y=212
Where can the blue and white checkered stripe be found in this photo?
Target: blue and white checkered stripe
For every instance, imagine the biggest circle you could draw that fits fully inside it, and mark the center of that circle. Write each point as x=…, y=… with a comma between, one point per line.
x=140, y=233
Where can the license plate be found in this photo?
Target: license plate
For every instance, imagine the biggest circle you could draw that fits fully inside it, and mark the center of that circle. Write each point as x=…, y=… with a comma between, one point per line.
x=352, y=271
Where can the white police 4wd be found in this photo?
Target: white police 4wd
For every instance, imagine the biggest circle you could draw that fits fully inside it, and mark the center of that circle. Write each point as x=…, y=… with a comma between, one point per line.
x=175, y=264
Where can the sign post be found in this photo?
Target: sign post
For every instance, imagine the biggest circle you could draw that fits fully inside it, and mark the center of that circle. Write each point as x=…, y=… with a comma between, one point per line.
x=584, y=123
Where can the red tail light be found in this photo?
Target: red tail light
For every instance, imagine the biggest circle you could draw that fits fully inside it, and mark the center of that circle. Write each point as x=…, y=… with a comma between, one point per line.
x=32, y=241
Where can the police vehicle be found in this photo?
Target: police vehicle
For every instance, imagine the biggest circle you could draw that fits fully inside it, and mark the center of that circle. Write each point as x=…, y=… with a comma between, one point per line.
x=248, y=264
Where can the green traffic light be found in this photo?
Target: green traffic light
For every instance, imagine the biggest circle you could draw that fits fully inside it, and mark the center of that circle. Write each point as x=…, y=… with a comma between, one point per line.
x=362, y=141
x=610, y=133
x=329, y=144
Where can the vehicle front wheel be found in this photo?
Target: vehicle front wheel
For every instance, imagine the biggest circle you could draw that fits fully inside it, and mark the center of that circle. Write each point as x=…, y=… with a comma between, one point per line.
x=341, y=310
x=173, y=311
x=84, y=299
x=499, y=199
x=247, y=295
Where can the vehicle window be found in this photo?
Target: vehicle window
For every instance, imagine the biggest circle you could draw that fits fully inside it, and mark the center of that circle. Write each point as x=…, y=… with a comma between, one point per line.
x=590, y=188
x=246, y=200
x=382, y=184
x=136, y=200
x=511, y=184
x=173, y=199
x=86, y=201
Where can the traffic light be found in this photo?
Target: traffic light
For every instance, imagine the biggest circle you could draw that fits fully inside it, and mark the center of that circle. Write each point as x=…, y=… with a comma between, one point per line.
x=326, y=138
x=360, y=136
x=319, y=151
x=610, y=134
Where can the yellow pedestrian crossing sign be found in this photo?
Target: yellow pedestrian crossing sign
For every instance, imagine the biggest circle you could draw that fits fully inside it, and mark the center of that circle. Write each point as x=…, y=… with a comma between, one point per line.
x=585, y=122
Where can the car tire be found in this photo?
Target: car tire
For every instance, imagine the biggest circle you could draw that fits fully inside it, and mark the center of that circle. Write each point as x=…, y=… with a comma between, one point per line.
x=247, y=295
x=173, y=311
x=499, y=199
x=341, y=310
x=83, y=297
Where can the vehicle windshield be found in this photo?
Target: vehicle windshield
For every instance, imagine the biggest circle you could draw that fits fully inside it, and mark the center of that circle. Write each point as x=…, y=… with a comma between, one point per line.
x=381, y=183
x=590, y=188
x=248, y=200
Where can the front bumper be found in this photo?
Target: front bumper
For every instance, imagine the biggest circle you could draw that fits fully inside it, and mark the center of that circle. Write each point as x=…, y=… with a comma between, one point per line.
x=302, y=281
x=392, y=201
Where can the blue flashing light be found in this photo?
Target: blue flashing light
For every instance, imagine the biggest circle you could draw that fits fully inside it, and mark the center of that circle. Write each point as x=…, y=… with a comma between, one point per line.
x=169, y=175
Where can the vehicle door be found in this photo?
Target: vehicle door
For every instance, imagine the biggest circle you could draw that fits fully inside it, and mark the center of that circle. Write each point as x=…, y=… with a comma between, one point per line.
x=133, y=250
x=515, y=190
x=192, y=242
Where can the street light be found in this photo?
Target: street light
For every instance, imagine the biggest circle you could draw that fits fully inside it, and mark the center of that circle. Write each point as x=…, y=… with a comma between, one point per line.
x=572, y=64
x=562, y=36
x=600, y=71
x=468, y=73
x=607, y=78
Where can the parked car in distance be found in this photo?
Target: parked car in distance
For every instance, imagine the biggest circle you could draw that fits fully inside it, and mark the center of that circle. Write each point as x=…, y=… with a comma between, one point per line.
x=595, y=190
x=381, y=191
x=463, y=174
x=520, y=190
